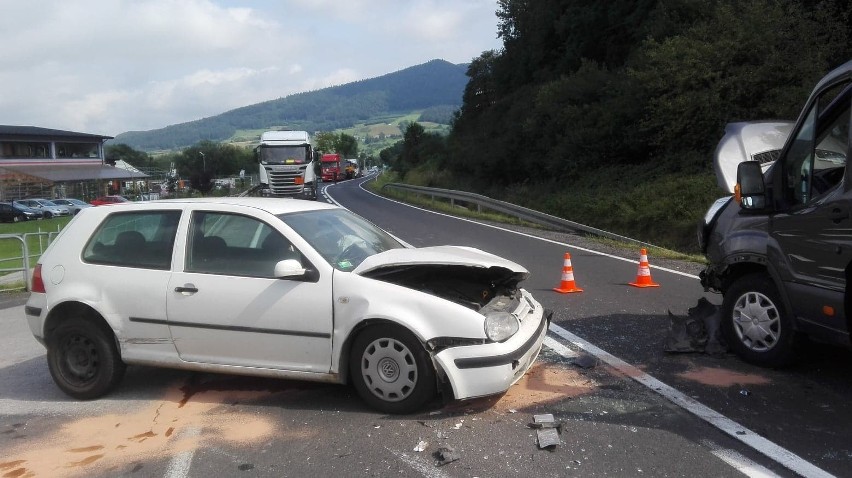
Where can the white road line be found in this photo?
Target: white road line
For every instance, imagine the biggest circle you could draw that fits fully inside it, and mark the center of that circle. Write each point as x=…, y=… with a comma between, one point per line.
x=782, y=456
x=565, y=244
x=739, y=462
x=559, y=348
x=180, y=465
x=425, y=469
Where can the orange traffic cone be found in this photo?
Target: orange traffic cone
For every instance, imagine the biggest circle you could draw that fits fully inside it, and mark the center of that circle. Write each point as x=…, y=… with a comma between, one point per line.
x=643, y=277
x=567, y=285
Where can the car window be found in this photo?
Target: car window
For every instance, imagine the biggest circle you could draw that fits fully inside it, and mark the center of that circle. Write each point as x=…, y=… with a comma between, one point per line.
x=341, y=238
x=134, y=239
x=233, y=244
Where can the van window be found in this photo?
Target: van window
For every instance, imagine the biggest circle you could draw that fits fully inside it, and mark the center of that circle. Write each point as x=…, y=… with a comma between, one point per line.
x=816, y=160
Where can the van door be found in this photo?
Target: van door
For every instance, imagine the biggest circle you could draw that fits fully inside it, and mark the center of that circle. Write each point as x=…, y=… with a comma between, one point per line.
x=814, y=232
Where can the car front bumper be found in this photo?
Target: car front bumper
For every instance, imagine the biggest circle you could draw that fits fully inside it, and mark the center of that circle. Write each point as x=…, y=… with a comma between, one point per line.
x=487, y=369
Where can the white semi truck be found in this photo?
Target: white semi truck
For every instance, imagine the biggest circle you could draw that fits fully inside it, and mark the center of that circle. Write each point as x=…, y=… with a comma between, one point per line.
x=286, y=164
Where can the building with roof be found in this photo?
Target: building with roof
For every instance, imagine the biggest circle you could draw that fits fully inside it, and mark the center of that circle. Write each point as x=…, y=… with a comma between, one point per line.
x=50, y=163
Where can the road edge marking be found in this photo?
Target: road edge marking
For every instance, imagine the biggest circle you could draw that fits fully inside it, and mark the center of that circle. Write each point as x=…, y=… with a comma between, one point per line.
x=552, y=241
x=771, y=450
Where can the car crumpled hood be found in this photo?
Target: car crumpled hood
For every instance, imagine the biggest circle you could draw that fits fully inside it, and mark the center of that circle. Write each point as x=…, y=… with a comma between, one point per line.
x=437, y=256
x=464, y=275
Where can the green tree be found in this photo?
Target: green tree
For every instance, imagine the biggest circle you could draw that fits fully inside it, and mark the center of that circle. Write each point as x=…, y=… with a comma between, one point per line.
x=127, y=154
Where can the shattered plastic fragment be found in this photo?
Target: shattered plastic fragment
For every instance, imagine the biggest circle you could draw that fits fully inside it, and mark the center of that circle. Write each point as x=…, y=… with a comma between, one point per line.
x=745, y=392
x=545, y=421
x=445, y=454
x=421, y=446
x=548, y=430
x=548, y=438
x=458, y=425
x=584, y=361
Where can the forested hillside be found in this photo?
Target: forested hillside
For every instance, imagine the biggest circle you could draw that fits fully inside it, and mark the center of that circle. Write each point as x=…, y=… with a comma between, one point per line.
x=436, y=83
x=608, y=112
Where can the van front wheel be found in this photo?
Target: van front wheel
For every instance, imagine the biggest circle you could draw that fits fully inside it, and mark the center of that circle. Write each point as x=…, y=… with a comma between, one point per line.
x=756, y=324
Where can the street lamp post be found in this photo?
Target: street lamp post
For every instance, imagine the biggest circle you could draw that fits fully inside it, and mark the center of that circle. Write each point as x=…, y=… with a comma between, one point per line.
x=203, y=162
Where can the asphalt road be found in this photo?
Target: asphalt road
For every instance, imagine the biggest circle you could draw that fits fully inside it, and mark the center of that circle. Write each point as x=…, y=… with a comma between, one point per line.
x=167, y=423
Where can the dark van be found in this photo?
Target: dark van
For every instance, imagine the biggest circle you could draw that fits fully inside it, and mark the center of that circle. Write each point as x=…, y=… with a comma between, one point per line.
x=780, y=249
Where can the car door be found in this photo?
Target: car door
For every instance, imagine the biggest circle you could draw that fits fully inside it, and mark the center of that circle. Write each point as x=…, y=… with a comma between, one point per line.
x=130, y=256
x=814, y=234
x=225, y=307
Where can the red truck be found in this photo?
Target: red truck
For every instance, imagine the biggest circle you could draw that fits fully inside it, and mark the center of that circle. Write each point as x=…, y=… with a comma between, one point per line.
x=332, y=167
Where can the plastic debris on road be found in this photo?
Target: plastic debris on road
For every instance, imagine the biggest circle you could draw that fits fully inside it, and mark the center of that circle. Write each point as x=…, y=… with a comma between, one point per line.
x=446, y=454
x=422, y=445
x=547, y=431
x=700, y=331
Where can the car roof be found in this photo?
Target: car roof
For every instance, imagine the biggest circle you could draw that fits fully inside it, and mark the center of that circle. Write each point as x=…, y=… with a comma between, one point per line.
x=270, y=205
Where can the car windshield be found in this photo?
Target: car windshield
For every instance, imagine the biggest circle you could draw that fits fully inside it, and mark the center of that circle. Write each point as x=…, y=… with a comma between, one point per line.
x=45, y=202
x=341, y=238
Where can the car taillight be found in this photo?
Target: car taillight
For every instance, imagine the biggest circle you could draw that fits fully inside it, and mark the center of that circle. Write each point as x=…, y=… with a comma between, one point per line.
x=38, y=283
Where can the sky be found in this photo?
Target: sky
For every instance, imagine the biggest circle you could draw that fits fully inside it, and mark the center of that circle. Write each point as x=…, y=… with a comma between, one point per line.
x=110, y=66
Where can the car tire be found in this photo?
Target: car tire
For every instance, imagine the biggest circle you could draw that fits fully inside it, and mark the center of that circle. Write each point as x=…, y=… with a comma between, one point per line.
x=48, y=215
x=83, y=359
x=16, y=219
x=756, y=324
x=391, y=370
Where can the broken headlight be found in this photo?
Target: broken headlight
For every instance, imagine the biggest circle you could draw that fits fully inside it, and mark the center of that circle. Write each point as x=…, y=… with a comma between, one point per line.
x=499, y=326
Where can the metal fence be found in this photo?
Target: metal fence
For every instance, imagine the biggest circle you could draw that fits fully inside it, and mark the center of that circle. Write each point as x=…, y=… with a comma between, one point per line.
x=16, y=269
x=522, y=213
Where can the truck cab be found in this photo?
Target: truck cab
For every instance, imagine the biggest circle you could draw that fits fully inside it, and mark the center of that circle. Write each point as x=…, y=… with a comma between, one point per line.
x=286, y=164
x=780, y=249
x=331, y=167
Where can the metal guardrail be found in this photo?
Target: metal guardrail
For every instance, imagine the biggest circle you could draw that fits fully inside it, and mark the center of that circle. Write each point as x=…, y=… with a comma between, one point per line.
x=9, y=275
x=522, y=213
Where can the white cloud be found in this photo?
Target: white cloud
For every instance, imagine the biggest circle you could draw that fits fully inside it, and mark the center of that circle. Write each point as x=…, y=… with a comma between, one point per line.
x=109, y=66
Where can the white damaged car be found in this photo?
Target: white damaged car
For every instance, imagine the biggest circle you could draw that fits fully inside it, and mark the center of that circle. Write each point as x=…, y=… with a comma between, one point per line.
x=279, y=288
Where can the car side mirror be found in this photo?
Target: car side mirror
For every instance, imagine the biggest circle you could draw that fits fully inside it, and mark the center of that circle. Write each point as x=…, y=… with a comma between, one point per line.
x=288, y=268
x=750, y=190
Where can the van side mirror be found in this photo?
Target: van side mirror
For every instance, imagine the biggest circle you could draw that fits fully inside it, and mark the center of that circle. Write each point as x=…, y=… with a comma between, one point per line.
x=750, y=190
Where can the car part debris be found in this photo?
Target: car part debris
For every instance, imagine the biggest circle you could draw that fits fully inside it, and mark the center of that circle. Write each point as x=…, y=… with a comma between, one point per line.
x=547, y=430
x=422, y=445
x=700, y=331
x=446, y=454
x=584, y=361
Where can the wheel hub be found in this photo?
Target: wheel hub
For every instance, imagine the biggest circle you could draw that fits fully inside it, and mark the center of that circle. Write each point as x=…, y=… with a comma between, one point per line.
x=388, y=369
x=757, y=321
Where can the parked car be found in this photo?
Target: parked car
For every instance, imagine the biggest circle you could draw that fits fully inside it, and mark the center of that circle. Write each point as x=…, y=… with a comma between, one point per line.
x=288, y=289
x=49, y=208
x=9, y=213
x=31, y=213
x=73, y=205
x=109, y=200
x=780, y=249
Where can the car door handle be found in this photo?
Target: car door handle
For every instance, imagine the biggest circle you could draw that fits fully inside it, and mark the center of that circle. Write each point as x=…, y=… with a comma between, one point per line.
x=838, y=214
x=186, y=289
